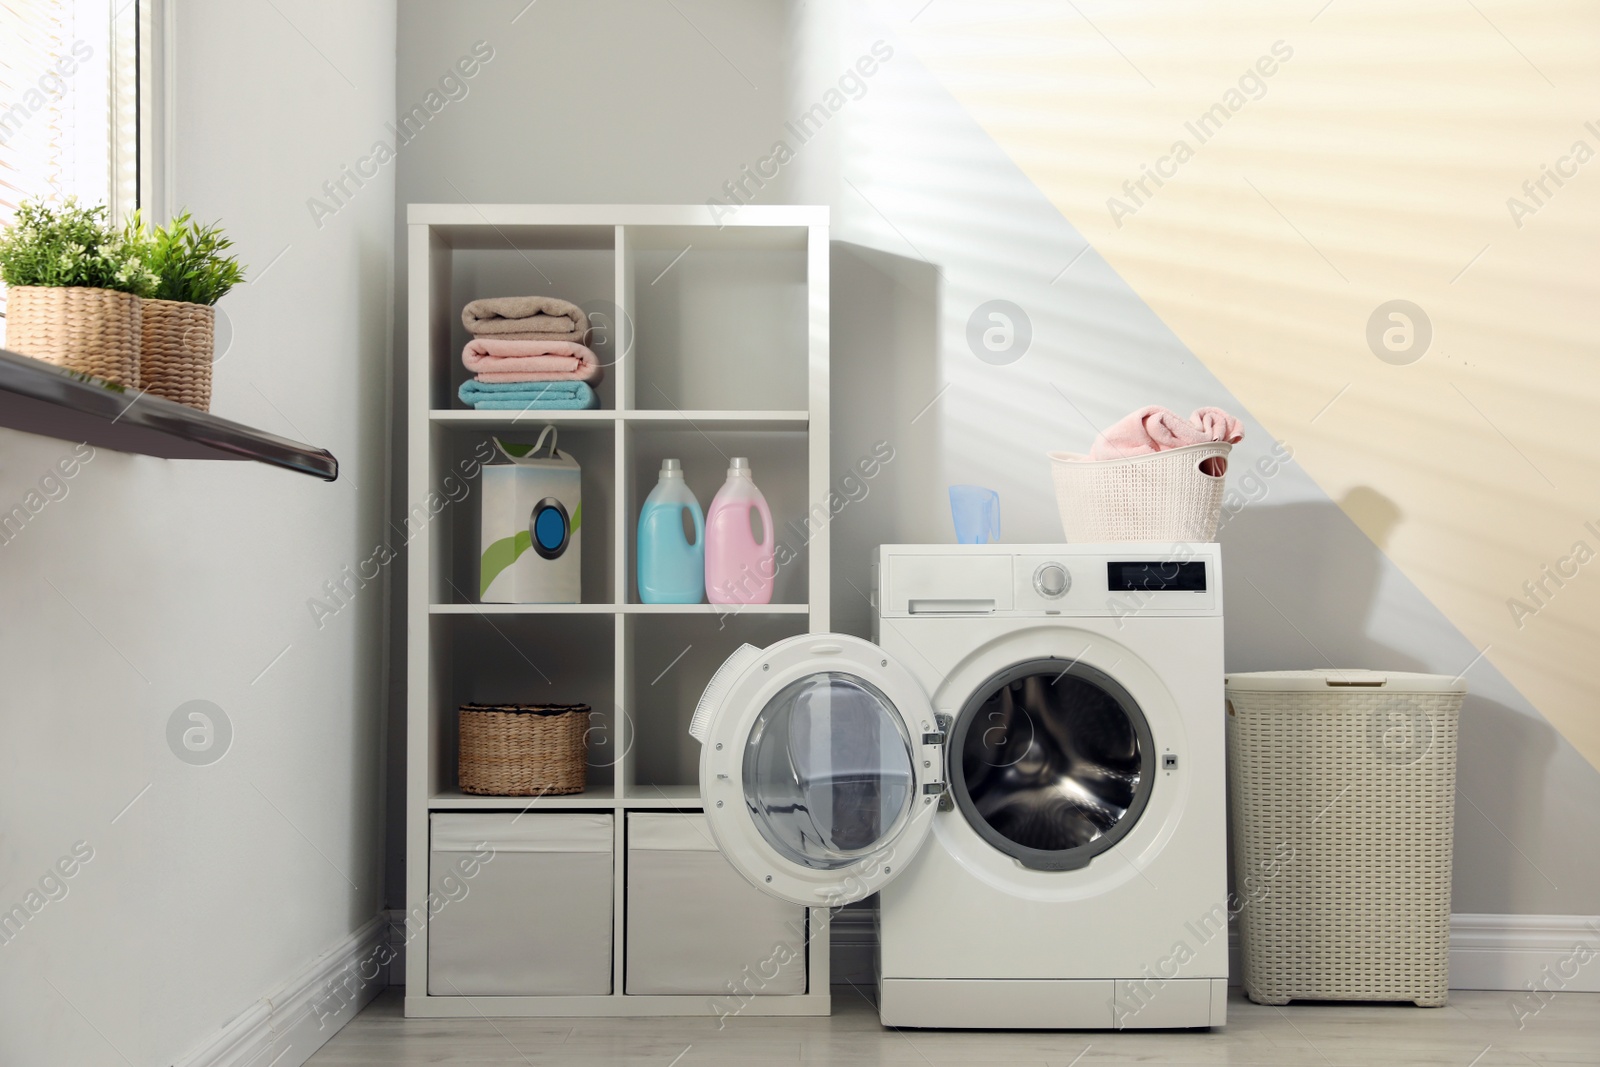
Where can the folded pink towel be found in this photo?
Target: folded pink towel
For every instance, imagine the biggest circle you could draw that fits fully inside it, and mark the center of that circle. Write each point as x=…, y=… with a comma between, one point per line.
x=495, y=359
x=1156, y=429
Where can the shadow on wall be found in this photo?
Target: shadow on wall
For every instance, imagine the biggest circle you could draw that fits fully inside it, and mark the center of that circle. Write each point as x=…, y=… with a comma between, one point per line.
x=1267, y=606
x=1505, y=754
x=885, y=375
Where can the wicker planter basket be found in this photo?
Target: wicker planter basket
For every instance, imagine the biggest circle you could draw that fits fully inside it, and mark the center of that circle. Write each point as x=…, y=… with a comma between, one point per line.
x=1162, y=496
x=522, y=750
x=1342, y=790
x=90, y=331
x=176, y=344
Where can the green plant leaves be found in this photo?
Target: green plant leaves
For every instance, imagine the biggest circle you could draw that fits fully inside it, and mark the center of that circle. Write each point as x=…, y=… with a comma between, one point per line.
x=73, y=246
x=188, y=259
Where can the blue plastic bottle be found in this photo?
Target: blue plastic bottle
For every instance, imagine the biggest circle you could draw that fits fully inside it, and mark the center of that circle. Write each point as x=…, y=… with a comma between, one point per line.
x=670, y=570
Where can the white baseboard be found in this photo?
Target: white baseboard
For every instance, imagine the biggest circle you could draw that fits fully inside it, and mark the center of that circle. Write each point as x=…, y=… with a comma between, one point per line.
x=290, y=1023
x=1558, y=953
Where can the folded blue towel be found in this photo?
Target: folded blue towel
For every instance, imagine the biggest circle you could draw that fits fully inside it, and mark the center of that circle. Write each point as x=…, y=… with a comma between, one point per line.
x=527, y=396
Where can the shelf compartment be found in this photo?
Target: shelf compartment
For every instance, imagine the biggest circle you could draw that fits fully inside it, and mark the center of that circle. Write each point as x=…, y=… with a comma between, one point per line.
x=720, y=318
x=38, y=397
x=457, y=533
x=673, y=659
x=524, y=659
x=575, y=263
x=779, y=461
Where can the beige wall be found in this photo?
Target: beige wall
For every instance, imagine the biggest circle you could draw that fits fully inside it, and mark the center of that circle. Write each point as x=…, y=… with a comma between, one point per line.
x=1378, y=152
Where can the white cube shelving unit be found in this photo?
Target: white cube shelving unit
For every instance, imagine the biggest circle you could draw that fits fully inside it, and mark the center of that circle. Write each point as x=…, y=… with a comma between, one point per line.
x=716, y=340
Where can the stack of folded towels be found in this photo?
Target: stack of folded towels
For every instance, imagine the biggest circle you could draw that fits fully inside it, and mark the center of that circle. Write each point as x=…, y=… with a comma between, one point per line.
x=527, y=353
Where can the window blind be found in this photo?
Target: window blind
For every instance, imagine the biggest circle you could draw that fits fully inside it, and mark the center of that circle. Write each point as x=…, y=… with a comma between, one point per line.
x=68, y=103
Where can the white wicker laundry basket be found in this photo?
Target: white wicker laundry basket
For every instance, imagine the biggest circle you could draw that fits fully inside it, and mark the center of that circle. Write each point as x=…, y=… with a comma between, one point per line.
x=1341, y=786
x=1160, y=496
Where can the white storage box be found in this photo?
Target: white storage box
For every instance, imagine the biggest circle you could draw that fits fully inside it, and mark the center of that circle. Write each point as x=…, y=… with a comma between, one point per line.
x=526, y=905
x=1342, y=789
x=695, y=927
x=532, y=525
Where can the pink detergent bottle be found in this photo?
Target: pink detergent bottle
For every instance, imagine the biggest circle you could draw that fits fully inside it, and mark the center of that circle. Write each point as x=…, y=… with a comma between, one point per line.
x=738, y=569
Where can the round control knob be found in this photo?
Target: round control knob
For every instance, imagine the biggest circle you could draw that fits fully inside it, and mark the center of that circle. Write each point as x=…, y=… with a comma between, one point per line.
x=1051, y=580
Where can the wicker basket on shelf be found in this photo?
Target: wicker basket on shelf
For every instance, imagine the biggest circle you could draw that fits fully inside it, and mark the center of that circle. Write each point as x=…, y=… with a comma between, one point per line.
x=176, y=344
x=523, y=750
x=90, y=331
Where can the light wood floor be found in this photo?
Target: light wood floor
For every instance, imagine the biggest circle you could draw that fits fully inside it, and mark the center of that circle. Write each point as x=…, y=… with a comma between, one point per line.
x=1477, y=1029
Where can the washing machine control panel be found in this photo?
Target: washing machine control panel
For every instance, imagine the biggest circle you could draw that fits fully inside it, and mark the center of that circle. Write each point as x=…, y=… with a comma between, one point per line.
x=1115, y=581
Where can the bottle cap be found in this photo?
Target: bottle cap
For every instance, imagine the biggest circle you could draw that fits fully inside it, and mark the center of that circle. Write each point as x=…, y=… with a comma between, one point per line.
x=738, y=466
x=671, y=466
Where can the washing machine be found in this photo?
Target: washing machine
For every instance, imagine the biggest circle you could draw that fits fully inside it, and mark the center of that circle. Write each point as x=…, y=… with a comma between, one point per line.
x=1025, y=764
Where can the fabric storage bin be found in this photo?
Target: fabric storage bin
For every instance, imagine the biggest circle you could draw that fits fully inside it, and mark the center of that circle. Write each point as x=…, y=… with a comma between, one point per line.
x=1342, y=790
x=695, y=927
x=524, y=904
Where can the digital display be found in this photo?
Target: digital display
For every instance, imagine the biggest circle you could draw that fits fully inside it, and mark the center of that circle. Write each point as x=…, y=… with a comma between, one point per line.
x=1157, y=575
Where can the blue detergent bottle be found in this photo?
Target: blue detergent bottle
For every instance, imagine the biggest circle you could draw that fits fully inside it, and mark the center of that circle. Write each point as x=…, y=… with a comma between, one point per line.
x=670, y=569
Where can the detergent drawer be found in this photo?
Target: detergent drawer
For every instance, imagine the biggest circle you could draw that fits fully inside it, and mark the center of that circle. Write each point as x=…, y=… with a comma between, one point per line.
x=945, y=584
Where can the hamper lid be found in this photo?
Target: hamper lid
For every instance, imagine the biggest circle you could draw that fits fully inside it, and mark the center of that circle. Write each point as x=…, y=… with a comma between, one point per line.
x=1326, y=679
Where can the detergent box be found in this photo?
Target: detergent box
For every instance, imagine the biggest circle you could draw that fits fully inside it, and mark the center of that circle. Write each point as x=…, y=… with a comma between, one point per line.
x=532, y=522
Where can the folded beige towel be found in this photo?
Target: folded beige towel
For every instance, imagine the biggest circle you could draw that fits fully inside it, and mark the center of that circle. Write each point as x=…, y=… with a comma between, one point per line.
x=532, y=318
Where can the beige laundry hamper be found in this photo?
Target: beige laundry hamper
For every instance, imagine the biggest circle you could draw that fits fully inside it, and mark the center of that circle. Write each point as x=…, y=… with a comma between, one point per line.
x=1341, y=786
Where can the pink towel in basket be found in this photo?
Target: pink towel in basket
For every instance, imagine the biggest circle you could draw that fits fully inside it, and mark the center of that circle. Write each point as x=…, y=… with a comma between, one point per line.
x=1156, y=429
x=495, y=359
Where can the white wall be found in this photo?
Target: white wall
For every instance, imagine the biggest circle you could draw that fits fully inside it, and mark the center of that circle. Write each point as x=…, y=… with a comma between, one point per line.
x=931, y=219
x=152, y=583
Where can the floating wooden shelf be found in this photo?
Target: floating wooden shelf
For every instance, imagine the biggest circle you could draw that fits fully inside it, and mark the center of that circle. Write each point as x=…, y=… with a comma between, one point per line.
x=40, y=398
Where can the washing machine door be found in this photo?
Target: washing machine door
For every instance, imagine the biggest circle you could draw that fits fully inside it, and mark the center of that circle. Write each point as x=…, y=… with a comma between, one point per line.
x=820, y=767
x=1052, y=762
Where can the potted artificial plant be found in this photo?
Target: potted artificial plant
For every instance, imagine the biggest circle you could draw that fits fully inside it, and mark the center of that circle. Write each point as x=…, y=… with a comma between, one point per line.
x=72, y=290
x=177, y=337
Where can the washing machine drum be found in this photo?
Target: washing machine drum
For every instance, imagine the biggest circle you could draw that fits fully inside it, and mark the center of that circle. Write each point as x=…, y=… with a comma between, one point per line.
x=1051, y=762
